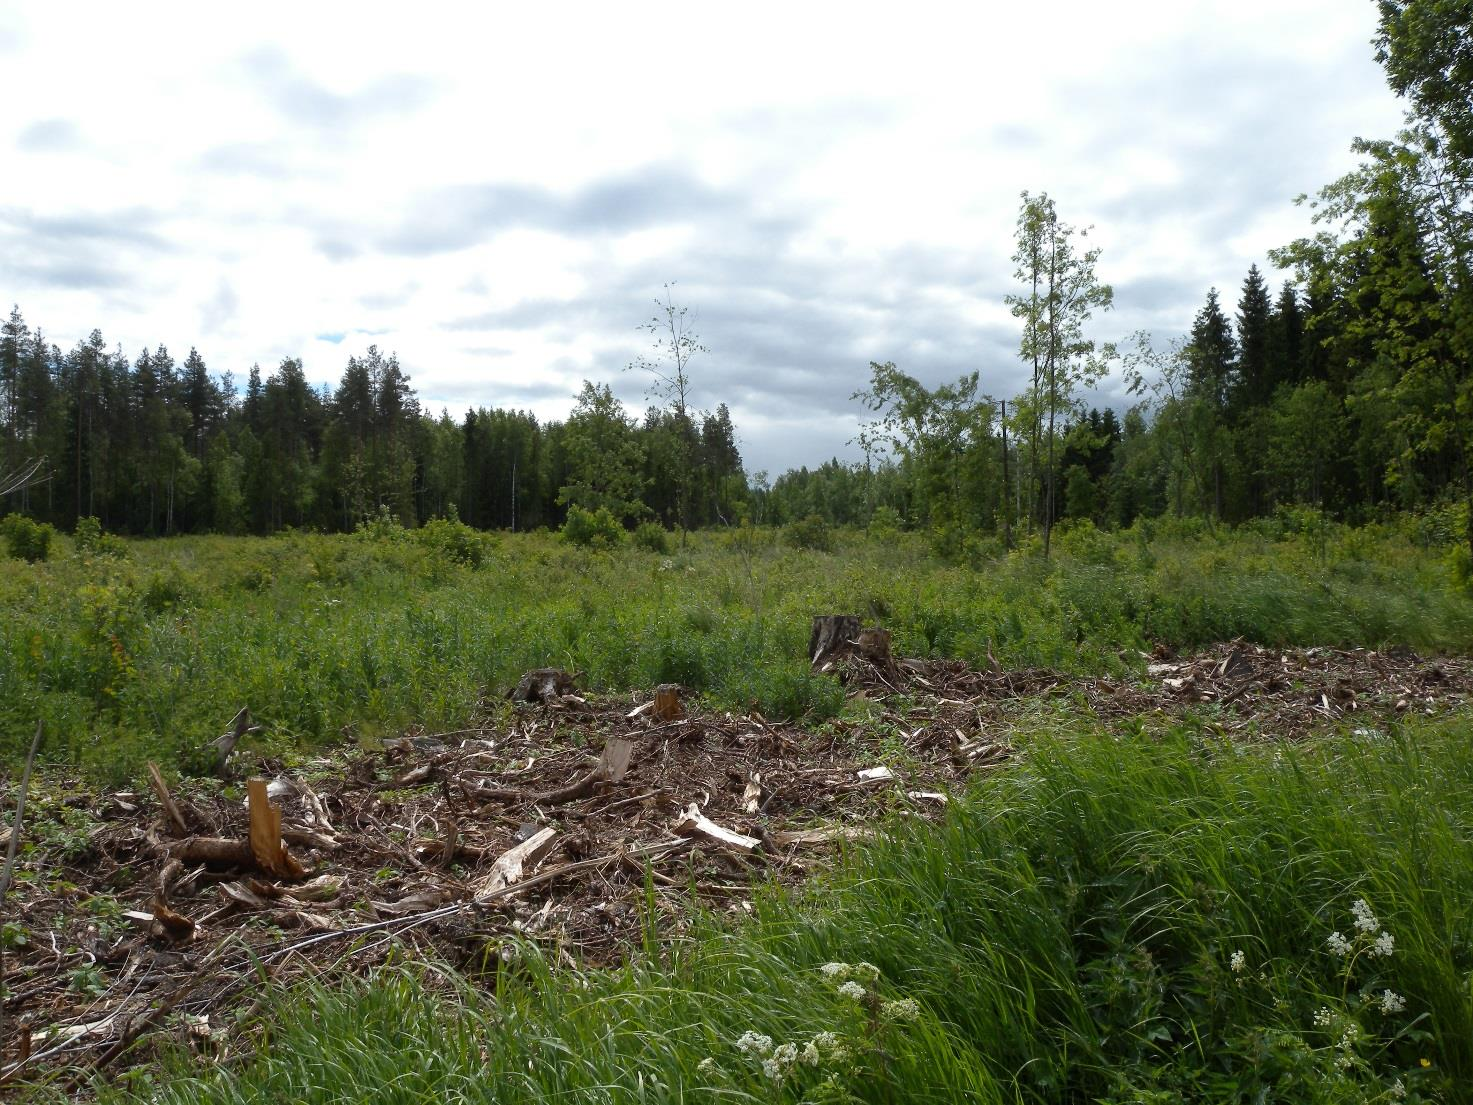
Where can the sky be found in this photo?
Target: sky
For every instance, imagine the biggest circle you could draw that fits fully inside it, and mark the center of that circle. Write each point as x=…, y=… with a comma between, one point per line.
x=500, y=193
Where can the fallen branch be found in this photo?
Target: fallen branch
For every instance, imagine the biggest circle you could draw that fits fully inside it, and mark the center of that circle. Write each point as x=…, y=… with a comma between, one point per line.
x=694, y=821
x=611, y=768
x=166, y=800
x=507, y=870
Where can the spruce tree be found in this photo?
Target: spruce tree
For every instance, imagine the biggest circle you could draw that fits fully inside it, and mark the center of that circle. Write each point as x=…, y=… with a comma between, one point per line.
x=1254, y=384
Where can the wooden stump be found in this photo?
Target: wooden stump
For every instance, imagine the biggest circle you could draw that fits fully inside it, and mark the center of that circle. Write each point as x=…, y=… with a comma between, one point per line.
x=543, y=685
x=667, y=703
x=833, y=636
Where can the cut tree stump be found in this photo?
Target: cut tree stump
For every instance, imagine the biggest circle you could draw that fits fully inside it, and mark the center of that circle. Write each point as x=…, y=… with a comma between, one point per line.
x=833, y=636
x=266, y=846
x=543, y=685
x=667, y=702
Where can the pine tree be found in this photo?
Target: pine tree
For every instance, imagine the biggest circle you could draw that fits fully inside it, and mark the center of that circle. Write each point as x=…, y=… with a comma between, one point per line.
x=1255, y=385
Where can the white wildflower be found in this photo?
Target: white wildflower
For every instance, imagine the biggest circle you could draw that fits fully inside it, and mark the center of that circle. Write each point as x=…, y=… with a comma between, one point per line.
x=707, y=1066
x=1385, y=944
x=1238, y=962
x=810, y=1054
x=906, y=1009
x=1365, y=920
x=1323, y=1018
x=826, y=1041
x=1398, y=1089
x=754, y=1043
x=866, y=971
x=1392, y=1002
x=852, y=990
x=835, y=970
x=1338, y=944
x=780, y=1062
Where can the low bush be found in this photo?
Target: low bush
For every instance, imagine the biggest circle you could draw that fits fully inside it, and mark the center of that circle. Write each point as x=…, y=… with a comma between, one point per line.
x=811, y=533
x=26, y=539
x=652, y=537
x=592, y=529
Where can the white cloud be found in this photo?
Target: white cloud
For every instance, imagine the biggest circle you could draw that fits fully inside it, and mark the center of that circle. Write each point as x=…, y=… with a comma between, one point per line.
x=498, y=193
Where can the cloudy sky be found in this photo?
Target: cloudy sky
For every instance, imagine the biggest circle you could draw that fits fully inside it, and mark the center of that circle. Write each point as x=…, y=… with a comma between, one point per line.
x=499, y=192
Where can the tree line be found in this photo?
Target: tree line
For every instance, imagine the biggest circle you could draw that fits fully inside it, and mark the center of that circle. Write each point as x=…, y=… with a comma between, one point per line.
x=150, y=446
x=1350, y=391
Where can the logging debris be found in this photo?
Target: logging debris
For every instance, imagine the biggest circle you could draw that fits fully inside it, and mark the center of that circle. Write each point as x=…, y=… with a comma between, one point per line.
x=553, y=821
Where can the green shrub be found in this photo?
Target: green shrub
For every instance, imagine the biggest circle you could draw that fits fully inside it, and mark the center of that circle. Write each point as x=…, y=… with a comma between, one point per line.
x=652, y=537
x=592, y=529
x=885, y=523
x=383, y=526
x=812, y=533
x=456, y=541
x=27, y=539
x=89, y=540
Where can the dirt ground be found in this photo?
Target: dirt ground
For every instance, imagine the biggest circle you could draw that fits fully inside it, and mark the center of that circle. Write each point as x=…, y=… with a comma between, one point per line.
x=128, y=923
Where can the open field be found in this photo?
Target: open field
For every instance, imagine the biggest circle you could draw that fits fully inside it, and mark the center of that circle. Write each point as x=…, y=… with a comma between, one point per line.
x=149, y=656
x=1105, y=862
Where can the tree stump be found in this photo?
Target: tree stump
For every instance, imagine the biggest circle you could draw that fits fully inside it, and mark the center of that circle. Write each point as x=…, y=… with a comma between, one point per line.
x=543, y=685
x=833, y=636
x=667, y=703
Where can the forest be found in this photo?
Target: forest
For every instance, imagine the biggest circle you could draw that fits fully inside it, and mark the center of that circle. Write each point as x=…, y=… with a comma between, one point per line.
x=1101, y=741
x=1346, y=390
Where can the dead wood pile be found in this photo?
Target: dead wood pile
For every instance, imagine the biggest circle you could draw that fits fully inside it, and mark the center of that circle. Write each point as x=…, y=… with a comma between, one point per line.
x=547, y=825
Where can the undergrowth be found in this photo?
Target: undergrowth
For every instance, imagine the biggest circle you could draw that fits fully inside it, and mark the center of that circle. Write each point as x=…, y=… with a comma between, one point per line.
x=1136, y=919
x=148, y=654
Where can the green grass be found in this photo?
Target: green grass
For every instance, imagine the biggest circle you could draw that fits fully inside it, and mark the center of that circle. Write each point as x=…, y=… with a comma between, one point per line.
x=148, y=656
x=1067, y=936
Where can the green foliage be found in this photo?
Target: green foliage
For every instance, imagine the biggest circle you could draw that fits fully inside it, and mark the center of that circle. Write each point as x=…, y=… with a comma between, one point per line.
x=456, y=541
x=592, y=529
x=652, y=537
x=26, y=539
x=811, y=533
x=885, y=523
x=89, y=540
x=126, y=659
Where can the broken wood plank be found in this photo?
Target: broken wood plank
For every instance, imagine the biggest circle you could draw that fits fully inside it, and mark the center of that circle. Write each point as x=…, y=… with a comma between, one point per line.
x=693, y=821
x=507, y=870
x=800, y=837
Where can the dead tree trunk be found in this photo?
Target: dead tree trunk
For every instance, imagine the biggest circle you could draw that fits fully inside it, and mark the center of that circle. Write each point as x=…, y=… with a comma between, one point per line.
x=833, y=636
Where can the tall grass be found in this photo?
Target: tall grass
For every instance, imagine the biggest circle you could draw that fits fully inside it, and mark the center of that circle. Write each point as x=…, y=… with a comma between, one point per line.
x=1141, y=918
x=146, y=657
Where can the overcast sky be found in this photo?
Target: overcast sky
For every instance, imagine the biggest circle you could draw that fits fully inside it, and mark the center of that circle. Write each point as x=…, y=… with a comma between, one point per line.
x=499, y=192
